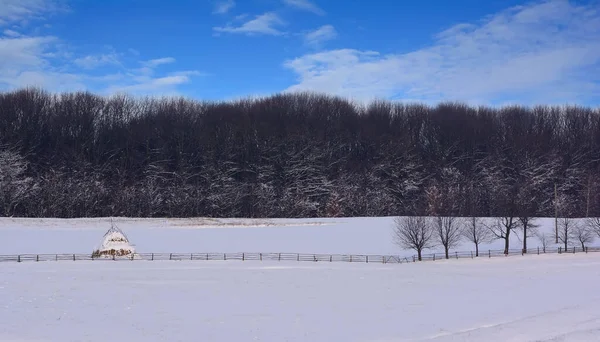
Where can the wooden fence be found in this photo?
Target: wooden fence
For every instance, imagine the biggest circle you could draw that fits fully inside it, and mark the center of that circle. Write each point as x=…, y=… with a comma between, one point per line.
x=385, y=259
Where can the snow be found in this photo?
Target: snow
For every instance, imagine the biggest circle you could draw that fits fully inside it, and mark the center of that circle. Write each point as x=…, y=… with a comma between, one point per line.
x=531, y=298
x=535, y=298
x=202, y=235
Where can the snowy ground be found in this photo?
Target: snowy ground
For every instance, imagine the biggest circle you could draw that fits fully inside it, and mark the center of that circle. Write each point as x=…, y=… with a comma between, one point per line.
x=326, y=236
x=537, y=298
x=534, y=298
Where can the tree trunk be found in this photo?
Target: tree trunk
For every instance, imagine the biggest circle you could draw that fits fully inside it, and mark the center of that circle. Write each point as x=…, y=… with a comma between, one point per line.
x=476, y=249
x=446, y=251
x=524, y=236
x=419, y=254
x=507, y=241
x=583, y=246
x=566, y=245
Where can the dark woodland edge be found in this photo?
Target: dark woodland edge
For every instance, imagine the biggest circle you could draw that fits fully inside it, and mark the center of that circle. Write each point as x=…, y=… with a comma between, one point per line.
x=292, y=155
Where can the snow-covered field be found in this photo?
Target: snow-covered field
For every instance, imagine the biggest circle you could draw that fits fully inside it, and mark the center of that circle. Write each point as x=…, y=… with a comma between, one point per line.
x=327, y=236
x=537, y=298
x=534, y=298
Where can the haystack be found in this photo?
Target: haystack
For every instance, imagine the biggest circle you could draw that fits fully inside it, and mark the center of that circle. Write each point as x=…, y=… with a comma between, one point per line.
x=114, y=244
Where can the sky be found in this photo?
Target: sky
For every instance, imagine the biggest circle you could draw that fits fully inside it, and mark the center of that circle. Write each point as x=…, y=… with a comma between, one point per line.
x=491, y=52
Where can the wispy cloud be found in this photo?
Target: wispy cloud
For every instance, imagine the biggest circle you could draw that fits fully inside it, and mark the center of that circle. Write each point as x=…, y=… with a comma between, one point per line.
x=222, y=7
x=262, y=24
x=541, y=52
x=44, y=61
x=21, y=11
x=11, y=33
x=95, y=61
x=320, y=35
x=305, y=5
x=158, y=61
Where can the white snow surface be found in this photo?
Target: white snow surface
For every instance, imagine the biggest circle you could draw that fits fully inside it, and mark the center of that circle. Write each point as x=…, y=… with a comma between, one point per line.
x=533, y=298
x=205, y=235
x=537, y=298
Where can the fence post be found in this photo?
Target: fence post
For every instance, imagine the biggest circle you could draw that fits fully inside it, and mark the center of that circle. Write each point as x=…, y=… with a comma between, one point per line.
x=330, y=257
x=586, y=249
x=243, y=256
x=471, y=254
x=37, y=257
x=559, y=250
x=206, y=256
x=74, y=257
x=413, y=258
x=114, y=258
x=456, y=254
x=489, y=253
x=298, y=257
x=538, y=250
x=260, y=256
x=367, y=259
x=191, y=256
x=170, y=256
x=350, y=257
x=224, y=256
x=279, y=257
x=56, y=256
x=152, y=257
x=18, y=258
x=573, y=250
x=315, y=257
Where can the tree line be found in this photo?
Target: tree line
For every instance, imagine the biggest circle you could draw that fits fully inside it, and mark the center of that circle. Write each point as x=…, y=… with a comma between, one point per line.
x=420, y=233
x=79, y=154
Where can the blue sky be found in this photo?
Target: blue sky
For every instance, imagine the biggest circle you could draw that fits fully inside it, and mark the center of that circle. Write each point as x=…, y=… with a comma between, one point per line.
x=482, y=52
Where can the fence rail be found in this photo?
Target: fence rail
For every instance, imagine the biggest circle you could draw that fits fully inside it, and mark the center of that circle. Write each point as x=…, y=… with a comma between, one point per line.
x=385, y=259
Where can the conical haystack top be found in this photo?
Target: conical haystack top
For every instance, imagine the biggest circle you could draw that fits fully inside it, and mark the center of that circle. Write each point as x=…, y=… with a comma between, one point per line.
x=114, y=243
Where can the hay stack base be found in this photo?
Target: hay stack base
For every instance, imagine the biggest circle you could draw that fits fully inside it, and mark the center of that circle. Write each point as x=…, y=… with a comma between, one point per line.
x=115, y=244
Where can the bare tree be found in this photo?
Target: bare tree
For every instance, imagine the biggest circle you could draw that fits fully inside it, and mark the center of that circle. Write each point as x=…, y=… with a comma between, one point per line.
x=566, y=231
x=545, y=239
x=413, y=232
x=583, y=234
x=502, y=227
x=528, y=226
x=593, y=224
x=476, y=232
x=448, y=232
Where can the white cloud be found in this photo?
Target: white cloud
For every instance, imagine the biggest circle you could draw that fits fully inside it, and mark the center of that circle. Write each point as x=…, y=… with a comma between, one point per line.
x=543, y=52
x=305, y=5
x=320, y=35
x=92, y=62
x=262, y=24
x=49, y=62
x=159, y=61
x=20, y=11
x=222, y=7
x=11, y=33
x=151, y=85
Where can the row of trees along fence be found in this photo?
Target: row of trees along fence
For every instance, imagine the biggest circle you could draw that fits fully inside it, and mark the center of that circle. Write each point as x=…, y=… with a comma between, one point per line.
x=385, y=259
x=292, y=155
x=423, y=232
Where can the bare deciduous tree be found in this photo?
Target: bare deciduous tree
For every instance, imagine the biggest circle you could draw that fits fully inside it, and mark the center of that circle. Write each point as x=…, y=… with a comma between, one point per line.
x=413, y=232
x=476, y=232
x=448, y=232
x=566, y=231
x=502, y=227
x=545, y=239
x=593, y=224
x=528, y=226
x=583, y=234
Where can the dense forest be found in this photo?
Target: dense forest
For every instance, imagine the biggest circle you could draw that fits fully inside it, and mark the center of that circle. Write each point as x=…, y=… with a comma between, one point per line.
x=292, y=155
